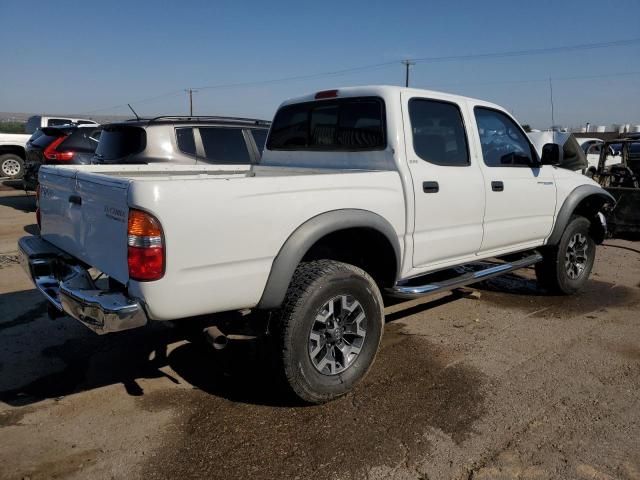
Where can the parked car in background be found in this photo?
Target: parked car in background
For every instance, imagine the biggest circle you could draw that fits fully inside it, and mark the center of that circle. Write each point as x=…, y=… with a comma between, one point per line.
x=622, y=181
x=571, y=155
x=12, y=154
x=612, y=155
x=38, y=121
x=585, y=143
x=66, y=145
x=183, y=140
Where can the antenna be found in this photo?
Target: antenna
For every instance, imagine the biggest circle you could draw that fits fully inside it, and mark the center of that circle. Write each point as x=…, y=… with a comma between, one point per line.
x=134, y=112
x=553, y=121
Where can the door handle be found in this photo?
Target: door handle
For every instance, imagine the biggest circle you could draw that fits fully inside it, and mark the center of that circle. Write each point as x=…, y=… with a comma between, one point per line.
x=75, y=199
x=430, y=187
x=497, y=186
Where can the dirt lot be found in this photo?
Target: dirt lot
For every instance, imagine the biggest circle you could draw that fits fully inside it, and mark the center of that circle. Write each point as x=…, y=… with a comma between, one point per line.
x=515, y=384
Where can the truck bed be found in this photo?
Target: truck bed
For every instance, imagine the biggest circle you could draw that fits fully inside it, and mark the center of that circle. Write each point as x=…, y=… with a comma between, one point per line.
x=220, y=231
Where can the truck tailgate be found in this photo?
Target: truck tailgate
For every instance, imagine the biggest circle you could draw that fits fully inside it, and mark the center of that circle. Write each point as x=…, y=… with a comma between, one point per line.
x=86, y=216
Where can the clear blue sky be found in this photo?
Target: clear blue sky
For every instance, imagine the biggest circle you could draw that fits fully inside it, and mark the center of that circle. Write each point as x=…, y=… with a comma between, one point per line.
x=63, y=56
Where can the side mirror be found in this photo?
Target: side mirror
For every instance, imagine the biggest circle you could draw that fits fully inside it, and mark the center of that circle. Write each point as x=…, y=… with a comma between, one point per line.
x=550, y=154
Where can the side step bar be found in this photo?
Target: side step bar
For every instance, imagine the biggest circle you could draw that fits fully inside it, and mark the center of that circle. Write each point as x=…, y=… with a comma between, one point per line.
x=404, y=290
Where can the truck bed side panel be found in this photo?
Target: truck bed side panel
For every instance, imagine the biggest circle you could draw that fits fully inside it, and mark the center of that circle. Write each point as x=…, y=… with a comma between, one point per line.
x=222, y=235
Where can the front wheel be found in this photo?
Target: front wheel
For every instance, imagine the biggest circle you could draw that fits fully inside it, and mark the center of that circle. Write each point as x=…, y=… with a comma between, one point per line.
x=329, y=329
x=566, y=267
x=11, y=166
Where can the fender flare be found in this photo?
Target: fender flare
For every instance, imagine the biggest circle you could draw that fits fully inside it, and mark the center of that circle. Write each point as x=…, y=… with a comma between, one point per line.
x=306, y=235
x=570, y=204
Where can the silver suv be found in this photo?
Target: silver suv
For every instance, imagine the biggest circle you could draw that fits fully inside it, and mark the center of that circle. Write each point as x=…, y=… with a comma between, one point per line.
x=183, y=140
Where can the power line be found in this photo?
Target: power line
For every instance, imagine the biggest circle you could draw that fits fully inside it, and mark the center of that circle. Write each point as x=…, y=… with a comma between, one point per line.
x=447, y=58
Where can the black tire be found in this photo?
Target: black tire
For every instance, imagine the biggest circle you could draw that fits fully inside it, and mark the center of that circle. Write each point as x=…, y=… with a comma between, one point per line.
x=559, y=271
x=11, y=166
x=316, y=285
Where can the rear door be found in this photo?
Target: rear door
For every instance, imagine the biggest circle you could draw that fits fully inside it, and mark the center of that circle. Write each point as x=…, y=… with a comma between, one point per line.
x=86, y=215
x=520, y=193
x=448, y=185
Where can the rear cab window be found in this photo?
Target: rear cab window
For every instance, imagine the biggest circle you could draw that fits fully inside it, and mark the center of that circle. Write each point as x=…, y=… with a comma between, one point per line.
x=343, y=124
x=52, y=122
x=119, y=141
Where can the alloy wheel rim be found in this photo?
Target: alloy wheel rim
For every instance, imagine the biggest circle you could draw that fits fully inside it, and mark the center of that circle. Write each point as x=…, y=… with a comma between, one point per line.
x=575, y=259
x=10, y=167
x=337, y=335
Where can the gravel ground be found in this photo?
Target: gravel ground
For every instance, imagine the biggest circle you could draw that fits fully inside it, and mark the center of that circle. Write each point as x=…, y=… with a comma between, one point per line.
x=508, y=383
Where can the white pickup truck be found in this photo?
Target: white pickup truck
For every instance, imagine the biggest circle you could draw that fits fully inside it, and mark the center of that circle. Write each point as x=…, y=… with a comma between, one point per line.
x=12, y=154
x=361, y=191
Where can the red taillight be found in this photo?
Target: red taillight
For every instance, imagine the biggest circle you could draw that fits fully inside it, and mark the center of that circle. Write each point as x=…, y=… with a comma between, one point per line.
x=51, y=152
x=38, y=205
x=145, y=242
x=326, y=94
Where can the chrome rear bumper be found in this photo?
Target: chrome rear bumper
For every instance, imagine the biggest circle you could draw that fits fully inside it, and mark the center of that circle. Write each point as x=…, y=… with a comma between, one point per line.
x=70, y=288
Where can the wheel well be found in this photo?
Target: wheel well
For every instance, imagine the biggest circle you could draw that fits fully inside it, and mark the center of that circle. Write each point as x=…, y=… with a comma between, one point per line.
x=363, y=247
x=589, y=208
x=15, y=149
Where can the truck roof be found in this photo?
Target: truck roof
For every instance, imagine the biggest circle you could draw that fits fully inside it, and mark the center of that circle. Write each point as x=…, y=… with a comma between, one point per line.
x=388, y=91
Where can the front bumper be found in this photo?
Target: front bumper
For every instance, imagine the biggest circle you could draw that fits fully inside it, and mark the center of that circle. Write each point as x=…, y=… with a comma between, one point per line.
x=70, y=288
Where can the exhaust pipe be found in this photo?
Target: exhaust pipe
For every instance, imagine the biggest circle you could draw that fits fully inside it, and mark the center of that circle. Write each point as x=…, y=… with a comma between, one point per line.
x=216, y=338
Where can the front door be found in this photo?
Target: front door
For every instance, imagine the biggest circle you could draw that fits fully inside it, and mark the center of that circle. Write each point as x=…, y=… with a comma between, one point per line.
x=520, y=193
x=448, y=186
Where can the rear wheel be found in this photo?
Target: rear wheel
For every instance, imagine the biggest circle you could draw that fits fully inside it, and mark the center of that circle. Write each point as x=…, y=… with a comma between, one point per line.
x=566, y=267
x=11, y=166
x=329, y=329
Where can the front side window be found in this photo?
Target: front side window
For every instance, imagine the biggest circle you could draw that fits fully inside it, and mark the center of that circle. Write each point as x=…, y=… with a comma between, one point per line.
x=224, y=145
x=438, y=131
x=186, y=142
x=503, y=143
x=347, y=124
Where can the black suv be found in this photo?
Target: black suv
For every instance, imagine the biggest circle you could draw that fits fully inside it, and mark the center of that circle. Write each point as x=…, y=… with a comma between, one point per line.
x=65, y=145
x=183, y=140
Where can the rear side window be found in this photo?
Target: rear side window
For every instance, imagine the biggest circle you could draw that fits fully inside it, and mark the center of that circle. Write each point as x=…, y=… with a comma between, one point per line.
x=186, y=142
x=260, y=137
x=86, y=122
x=348, y=124
x=119, y=142
x=82, y=140
x=224, y=145
x=439, y=136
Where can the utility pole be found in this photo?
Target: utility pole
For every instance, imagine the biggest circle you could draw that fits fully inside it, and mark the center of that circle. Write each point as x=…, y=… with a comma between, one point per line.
x=407, y=64
x=190, y=91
